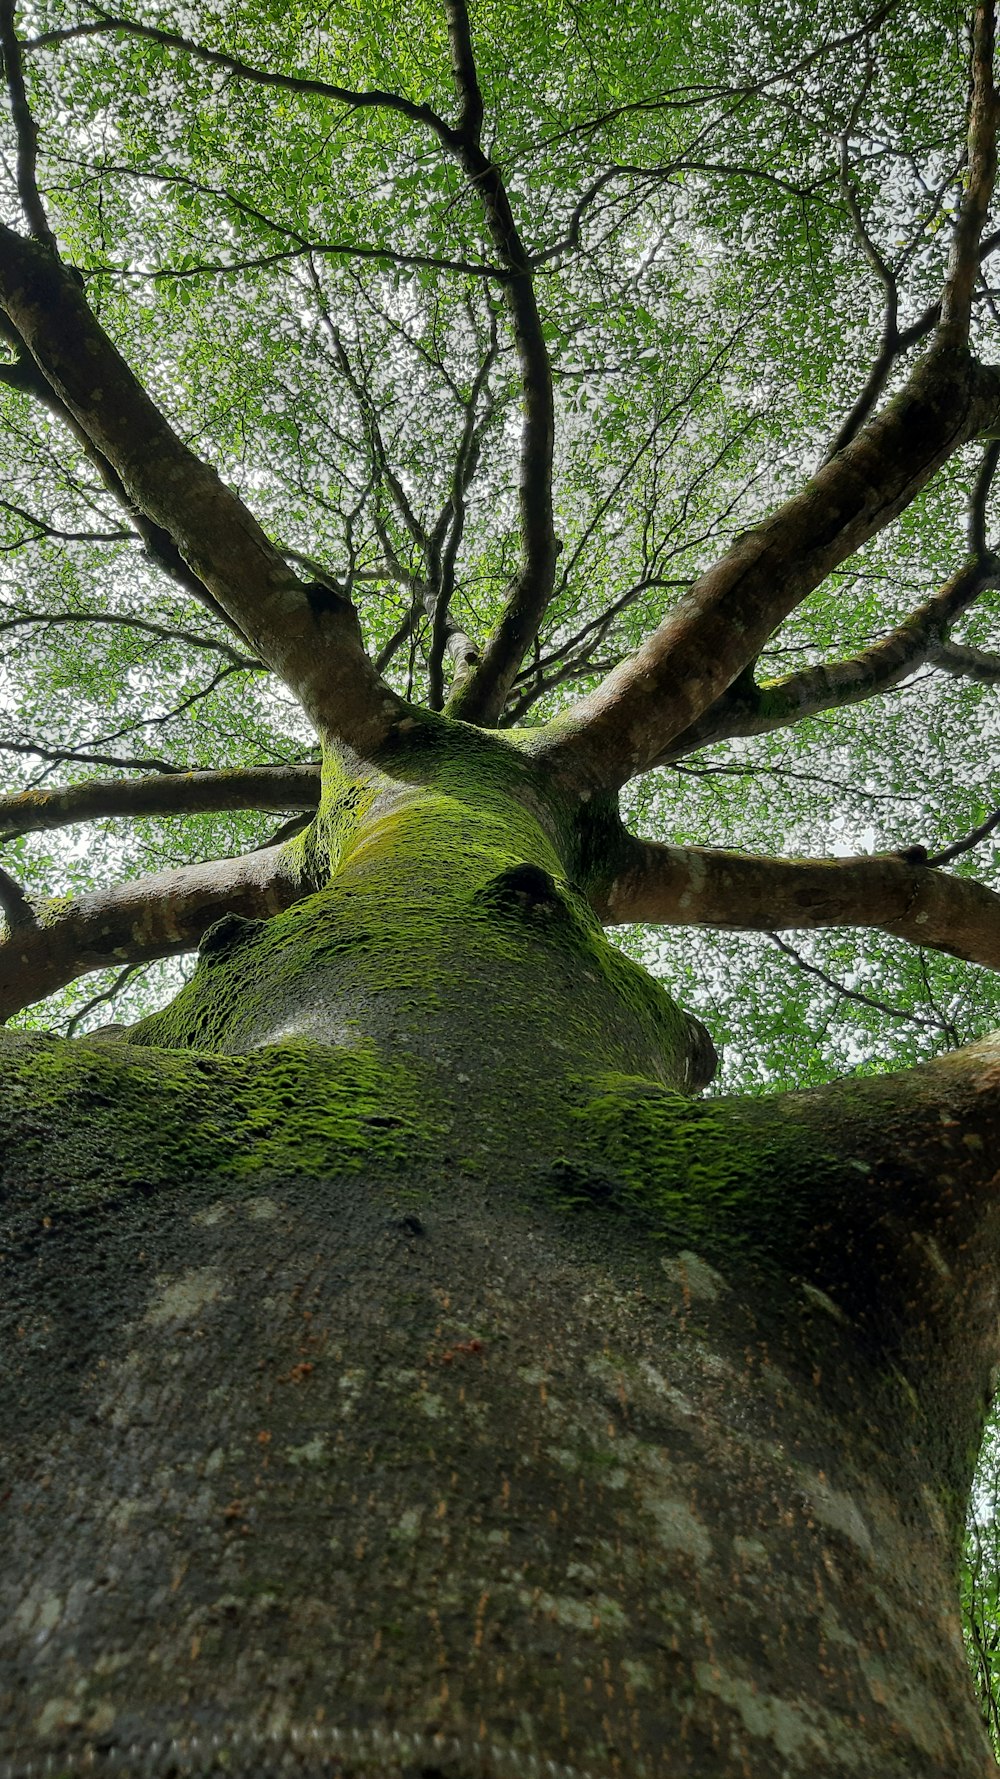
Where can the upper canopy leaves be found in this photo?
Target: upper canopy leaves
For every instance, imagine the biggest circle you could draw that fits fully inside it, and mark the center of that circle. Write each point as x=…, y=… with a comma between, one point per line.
x=707, y=243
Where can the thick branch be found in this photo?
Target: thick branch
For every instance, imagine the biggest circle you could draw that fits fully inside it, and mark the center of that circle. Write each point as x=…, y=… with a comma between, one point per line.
x=274, y=788
x=313, y=644
x=630, y=721
x=152, y=917
x=463, y=68
x=966, y=662
x=696, y=886
x=748, y=709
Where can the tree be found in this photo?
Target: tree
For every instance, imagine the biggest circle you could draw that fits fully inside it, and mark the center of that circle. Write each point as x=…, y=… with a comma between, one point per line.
x=409, y=1372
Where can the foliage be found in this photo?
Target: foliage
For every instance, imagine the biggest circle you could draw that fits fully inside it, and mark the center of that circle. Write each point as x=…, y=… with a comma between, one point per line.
x=706, y=336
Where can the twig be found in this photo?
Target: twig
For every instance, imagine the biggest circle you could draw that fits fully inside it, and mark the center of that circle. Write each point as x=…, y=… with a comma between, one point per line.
x=851, y=994
x=958, y=847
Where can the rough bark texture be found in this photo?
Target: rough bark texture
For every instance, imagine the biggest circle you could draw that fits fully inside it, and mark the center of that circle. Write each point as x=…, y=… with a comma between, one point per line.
x=155, y=916
x=406, y=1377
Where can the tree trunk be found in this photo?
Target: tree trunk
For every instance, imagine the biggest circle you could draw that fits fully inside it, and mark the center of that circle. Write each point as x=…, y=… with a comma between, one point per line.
x=407, y=1377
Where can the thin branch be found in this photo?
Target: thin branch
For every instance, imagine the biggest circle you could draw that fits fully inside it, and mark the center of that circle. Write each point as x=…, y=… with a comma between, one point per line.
x=958, y=847
x=975, y=523
x=222, y=268
x=637, y=715
x=571, y=239
x=82, y=757
x=596, y=629
x=304, y=244
x=895, y=345
x=101, y=1000
x=757, y=770
x=685, y=97
x=947, y=1025
x=889, y=347
x=192, y=638
x=401, y=634
x=24, y=129
x=438, y=547
x=26, y=376
x=963, y=268
x=893, y=892
x=854, y=994
x=574, y=669
x=137, y=724
x=43, y=528
x=374, y=99
x=446, y=636
x=749, y=709
x=368, y=412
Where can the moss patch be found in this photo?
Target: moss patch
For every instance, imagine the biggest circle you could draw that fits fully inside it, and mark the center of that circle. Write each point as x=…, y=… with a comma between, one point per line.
x=724, y=1177
x=447, y=920
x=102, y=1119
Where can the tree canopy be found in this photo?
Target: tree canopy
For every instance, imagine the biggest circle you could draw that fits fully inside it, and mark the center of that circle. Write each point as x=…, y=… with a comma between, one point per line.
x=505, y=328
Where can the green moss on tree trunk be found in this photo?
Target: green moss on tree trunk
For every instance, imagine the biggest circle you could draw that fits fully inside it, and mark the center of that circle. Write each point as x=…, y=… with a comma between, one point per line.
x=405, y=1376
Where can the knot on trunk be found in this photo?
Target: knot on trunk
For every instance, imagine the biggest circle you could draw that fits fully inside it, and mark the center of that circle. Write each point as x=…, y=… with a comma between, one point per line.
x=521, y=889
x=228, y=934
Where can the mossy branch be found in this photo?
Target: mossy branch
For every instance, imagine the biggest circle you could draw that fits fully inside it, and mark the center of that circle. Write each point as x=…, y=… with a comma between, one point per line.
x=151, y=917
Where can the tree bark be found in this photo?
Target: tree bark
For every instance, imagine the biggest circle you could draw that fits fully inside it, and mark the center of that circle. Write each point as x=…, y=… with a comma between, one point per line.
x=406, y=1375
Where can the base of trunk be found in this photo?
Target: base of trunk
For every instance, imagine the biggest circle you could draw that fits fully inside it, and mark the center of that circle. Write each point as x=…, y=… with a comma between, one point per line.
x=389, y=1465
